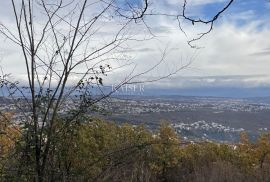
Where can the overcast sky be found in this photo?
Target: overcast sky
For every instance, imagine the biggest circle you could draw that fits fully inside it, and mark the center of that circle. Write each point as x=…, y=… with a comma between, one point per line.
x=235, y=54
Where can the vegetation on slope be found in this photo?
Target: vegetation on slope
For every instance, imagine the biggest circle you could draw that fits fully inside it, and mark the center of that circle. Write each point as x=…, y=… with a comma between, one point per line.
x=96, y=150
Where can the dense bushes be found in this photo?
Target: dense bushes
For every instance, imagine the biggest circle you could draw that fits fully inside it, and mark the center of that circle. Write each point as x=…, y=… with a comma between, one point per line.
x=102, y=151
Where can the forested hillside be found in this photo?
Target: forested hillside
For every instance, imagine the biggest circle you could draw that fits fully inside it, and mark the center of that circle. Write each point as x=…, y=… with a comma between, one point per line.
x=96, y=150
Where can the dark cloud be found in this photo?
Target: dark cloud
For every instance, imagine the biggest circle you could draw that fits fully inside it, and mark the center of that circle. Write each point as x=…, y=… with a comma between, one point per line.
x=209, y=81
x=218, y=77
x=262, y=53
x=140, y=50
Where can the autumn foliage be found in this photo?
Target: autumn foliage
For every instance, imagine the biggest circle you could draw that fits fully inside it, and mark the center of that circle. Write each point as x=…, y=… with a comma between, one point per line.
x=97, y=150
x=9, y=135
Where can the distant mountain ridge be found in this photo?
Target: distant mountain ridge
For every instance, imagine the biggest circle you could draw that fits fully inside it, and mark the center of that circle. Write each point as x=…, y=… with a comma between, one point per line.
x=227, y=92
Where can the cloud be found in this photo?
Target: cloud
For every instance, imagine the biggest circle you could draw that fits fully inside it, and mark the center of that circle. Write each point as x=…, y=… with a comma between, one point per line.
x=196, y=2
x=263, y=52
x=232, y=54
x=244, y=81
x=205, y=2
x=140, y=50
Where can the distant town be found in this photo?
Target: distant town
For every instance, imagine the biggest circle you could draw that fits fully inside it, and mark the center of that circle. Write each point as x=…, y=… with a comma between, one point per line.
x=207, y=118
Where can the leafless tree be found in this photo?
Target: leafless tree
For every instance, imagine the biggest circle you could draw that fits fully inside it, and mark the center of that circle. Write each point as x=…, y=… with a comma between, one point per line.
x=67, y=52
